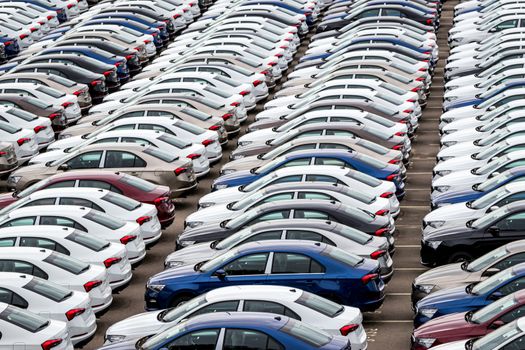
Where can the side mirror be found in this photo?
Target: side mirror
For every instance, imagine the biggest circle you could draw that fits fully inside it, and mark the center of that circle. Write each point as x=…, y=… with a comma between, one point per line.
x=493, y=30
x=496, y=296
x=221, y=274
x=494, y=207
x=490, y=272
x=493, y=230
x=491, y=108
x=64, y=167
x=496, y=324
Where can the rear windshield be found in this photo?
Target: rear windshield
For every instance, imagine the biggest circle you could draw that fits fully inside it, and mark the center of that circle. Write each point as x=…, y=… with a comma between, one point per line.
x=104, y=220
x=90, y=242
x=9, y=128
x=22, y=114
x=138, y=183
x=174, y=141
x=48, y=290
x=342, y=256
x=66, y=263
x=195, y=130
x=51, y=92
x=62, y=81
x=121, y=201
x=306, y=333
x=319, y=304
x=24, y=319
x=160, y=154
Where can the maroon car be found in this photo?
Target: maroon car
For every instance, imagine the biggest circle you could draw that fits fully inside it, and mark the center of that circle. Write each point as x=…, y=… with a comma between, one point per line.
x=472, y=324
x=127, y=185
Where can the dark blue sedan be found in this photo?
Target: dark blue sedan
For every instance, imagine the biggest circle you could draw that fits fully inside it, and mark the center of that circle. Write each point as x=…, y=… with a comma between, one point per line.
x=471, y=297
x=238, y=330
x=312, y=266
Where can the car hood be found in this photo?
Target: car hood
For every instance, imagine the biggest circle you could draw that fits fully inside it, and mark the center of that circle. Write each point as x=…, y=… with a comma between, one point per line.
x=194, y=254
x=237, y=178
x=458, y=229
x=47, y=157
x=450, y=212
x=65, y=143
x=258, y=136
x=225, y=195
x=125, y=345
x=6, y=199
x=204, y=233
x=180, y=274
x=105, y=107
x=215, y=213
x=448, y=275
x=246, y=163
x=444, y=325
x=457, y=296
x=138, y=325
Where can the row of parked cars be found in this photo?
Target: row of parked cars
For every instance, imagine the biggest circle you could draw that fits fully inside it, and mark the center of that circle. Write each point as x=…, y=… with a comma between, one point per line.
x=296, y=237
x=473, y=297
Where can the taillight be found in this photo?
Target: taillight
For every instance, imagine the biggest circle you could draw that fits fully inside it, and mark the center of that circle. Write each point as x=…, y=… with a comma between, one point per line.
x=382, y=212
x=235, y=104
x=50, y=18
x=416, y=89
x=176, y=16
x=7, y=43
x=70, y=6
x=128, y=57
x=147, y=41
x=422, y=69
x=160, y=200
x=92, y=284
x=392, y=177
x=411, y=100
x=271, y=64
x=397, y=147
x=193, y=156
x=23, y=140
x=207, y=142
x=50, y=344
x=111, y=261
x=128, y=238
x=400, y=133
x=380, y=232
x=386, y=194
x=369, y=277
x=39, y=128
x=32, y=29
x=429, y=21
x=265, y=72
x=227, y=116
x=394, y=161
x=66, y=104
x=278, y=55
x=78, y=92
x=257, y=82
x=143, y=219
x=96, y=82
x=180, y=170
x=408, y=111
x=23, y=36
x=244, y=93
x=3, y=153
x=215, y=127
x=420, y=79
x=108, y=72
x=377, y=254
x=118, y=64
x=71, y=314
x=349, y=328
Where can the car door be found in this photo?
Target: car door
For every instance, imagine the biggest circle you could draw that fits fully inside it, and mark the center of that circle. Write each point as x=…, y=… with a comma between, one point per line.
x=506, y=230
x=509, y=287
x=124, y=161
x=202, y=339
x=88, y=160
x=244, y=339
x=516, y=344
x=509, y=316
x=296, y=270
x=243, y=270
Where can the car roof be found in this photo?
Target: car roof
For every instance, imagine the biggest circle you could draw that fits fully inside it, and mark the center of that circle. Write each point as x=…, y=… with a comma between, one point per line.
x=65, y=210
x=310, y=185
x=236, y=319
x=254, y=292
x=27, y=253
x=308, y=169
x=87, y=174
x=282, y=245
x=62, y=191
x=43, y=231
x=14, y=279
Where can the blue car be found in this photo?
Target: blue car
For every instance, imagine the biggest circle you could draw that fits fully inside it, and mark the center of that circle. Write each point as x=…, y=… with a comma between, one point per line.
x=478, y=190
x=238, y=330
x=348, y=159
x=61, y=14
x=309, y=19
x=161, y=26
x=312, y=266
x=11, y=46
x=157, y=40
x=472, y=297
x=499, y=89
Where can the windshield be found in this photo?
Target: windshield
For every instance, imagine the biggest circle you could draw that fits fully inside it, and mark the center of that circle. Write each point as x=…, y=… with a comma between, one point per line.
x=486, y=260
x=173, y=314
x=364, y=178
x=262, y=182
x=496, y=338
x=51, y=92
x=157, y=340
x=490, y=151
x=14, y=205
x=218, y=261
x=241, y=219
x=24, y=319
x=270, y=165
x=22, y=114
x=488, y=199
x=496, y=308
x=492, y=137
x=174, y=141
x=490, y=283
x=234, y=239
x=48, y=290
x=66, y=263
x=248, y=201
x=195, y=130
x=489, y=218
x=492, y=165
x=496, y=180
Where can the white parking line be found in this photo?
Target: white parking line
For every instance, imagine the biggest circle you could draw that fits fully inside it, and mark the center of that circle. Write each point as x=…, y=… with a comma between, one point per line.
x=388, y=321
x=410, y=269
x=398, y=294
x=414, y=206
x=407, y=246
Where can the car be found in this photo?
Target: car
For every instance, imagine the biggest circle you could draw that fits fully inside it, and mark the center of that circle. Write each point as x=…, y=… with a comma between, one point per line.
x=8, y=159
x=34, y=329
x=470, y=298
x=466, y=272
x=87, y=220
x=472, y=324
x=52, y=301
x=60, y=269
x=246, y=264
x=146, y=162
x=240, y=329
x=23, y=141
x=127, y=185
x=105, y=201
x=76, y=243
x=295, y=303
x=19, y=118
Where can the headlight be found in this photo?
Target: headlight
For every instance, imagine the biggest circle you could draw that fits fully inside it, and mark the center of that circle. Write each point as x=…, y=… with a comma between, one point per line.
x=64, y=136
x=441, y=159
x=449, y=143
x=206, y=204
x=155, y=287
x=426, y=342
x=428, y=312
x=450, y=69
x=226, y=171
x=220, y=187
x=435, y=224
x=244, y=143
x=193, y=224
x=427, y=288
x=14, y=179
x=442, y=189
x=433, y=244
x=446, y=120
x=237, y=156
x=172, y=264
x=449, y=131
x=451, y=98
x=186, y=243
x=452, y=87
x=443, y=172
x=115, y=338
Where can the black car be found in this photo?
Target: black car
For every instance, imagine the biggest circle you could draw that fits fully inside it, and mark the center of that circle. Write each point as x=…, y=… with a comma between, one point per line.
x=96, y=82
x=469, y=239
x=88, y=63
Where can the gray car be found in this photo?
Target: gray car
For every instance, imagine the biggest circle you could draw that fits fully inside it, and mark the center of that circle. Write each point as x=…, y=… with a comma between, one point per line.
x=8, y=160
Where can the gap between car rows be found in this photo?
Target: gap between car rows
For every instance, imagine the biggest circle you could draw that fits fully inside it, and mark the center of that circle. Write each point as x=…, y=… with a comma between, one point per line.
x=391, y=325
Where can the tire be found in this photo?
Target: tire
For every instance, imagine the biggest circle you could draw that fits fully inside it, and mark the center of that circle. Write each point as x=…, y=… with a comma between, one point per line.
x=460, y=257
x=180, y=299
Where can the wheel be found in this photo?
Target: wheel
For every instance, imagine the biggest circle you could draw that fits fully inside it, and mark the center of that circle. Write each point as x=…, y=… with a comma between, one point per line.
x=179, y=300
x=459, y=257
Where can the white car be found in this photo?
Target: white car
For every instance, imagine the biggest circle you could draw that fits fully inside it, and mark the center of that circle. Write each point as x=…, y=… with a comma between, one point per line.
x=482, y=152
x=300, y=190
x=19, y=118
x=171, y=125
x=351, y=178
x=84, y=219
x=23, y=141
x=31, y=331
x=52, y=301
x=47, y=95
x=60, y=269
x=159, y=139
x=293, y=302
x=68, y=241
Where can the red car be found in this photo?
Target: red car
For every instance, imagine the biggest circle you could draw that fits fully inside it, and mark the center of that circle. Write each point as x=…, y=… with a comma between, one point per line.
x=127, y=185
x=472, y=324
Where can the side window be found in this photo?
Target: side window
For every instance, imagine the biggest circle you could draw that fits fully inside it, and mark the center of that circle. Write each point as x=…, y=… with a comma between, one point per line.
x=21, y=267
x=391, y=12
x=307, y=236
x=159, y=114
x=205, y=339
x=309, y=133
x=513, y=23
x=513, y=286
x=99, y=184
x=132, y=114
x=510, y=261
x=107, y=140
x=269, y=307
x=224, y=306
x=513, y=314
x=43, y=243
x=247, y=339
x=254, y=264
x=60, y=221
x=314, y=120
x=27, y=221
x=276, y=215
x=152, y=127
x=314, y=195
x=9, y=297
x=295, y=162
x=276, y=197
x=515, y=344
x=43, y=201
x=339, y=133
x=301, y=148
x=333, y=146
x=80, y=202
x=295, y=263
x=263, y=236
x=118, y=159
x=512, y=198
x=514, y=222
x=291, y=178
x=322, y=178
x=135, y=140
x=7, y=242
x=311, y=214
x=87, y=160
